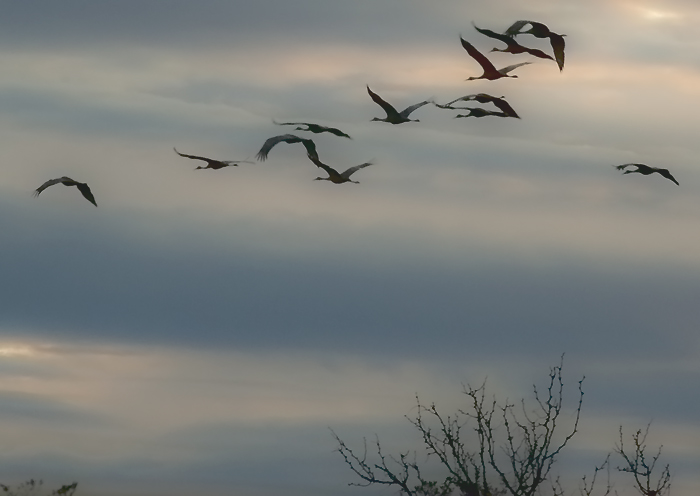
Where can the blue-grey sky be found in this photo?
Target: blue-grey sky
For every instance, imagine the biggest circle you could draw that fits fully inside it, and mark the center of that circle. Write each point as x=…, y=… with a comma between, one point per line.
x=201, y=330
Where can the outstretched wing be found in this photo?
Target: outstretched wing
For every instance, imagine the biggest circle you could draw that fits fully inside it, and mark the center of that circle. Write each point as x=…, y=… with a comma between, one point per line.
x=505, y=107
x=643, y=167
x=85, y=190
x=509, y=68
x=390, y=110
x=195, y=157
x=558, y=44
x=271, y=142
x=51, y=182
x=516, y=28
x=496, y=36
x=477, y=55
x=352, y=170
x=667, y=175
x=407, y=111
x=337, y=132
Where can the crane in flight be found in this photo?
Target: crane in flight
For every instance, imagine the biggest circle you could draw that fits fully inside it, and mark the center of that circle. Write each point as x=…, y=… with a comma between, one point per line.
x=337, y=177
x=67, y=181
x=646, y=170
x=314, y=128
x=392, y=116
x=212, y=163
x=540, y=30
x=499, y=102
x=490, y=72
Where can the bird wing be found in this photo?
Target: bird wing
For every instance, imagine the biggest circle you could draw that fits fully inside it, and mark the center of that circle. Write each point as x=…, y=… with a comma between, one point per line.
x=288, y=123
x=643, y=167
x=515, y=28
x=337, y=132
x=477, y=55
x=506, y=70
x=271, y=142
x=667, y=175
x=85, y=190
x=407, y=111
x=497, y=36
x=505, y=107
x=51, y=182
x=558, y=44
x=389, y=109
x=352, y=170
x=195, y=157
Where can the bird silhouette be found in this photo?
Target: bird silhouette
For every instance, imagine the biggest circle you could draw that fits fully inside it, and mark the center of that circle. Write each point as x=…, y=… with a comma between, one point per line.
x=490, y=72
x=499, y=102
x=286, y=138
x=67, y=181
x=540, y=30
x=314, y=128
x=512, y=46
x=646, y=170
x=337, y=177
x=213, y=164
x=392, y=115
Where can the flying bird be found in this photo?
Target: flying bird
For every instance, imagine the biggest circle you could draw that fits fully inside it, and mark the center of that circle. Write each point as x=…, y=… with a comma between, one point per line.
x=539, y=30
x=512, y=46
x=67, y=181
x=499, y=102
x=337, y=177
x=490, y=72
x=392, y=115
x=479, y=112
x=213, y=164
x=314, y=128
x=646, y=170
x=286, y=138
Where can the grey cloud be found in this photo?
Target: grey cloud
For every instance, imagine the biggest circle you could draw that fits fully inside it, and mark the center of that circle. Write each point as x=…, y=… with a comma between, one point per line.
x=85, y=281
x=28, y=407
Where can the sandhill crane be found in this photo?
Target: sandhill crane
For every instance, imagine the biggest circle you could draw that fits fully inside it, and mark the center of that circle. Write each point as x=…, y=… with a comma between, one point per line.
x=490, y=72
x=337, y=177
x=539, y=30
x=214, y=164
x=646, y=170
x=287, y=138
x=392, y=115
x=479, y=112
x=499, y=102
x=67, y=181
x=314, y=128
x=512, y=46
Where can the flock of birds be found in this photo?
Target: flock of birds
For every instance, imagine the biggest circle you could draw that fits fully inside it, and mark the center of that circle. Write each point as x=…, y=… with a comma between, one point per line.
x=505, y=110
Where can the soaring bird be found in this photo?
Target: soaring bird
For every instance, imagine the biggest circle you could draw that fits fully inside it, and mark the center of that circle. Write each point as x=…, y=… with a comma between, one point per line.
x=479, y=112
x=337, y=177
x=646, y=170
x=392, y=115
x=490, y=72
x=499, y=102
x=539, y=30
x=214, y=164
x=67, y=181
x=314, y=128
x=287, y=138
x=512, y=46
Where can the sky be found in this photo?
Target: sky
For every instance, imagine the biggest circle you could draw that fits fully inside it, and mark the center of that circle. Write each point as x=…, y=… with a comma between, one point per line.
x=200, y=331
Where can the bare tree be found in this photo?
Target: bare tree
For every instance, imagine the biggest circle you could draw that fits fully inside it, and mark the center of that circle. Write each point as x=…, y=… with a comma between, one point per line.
x=641, y=468
x=514, y=448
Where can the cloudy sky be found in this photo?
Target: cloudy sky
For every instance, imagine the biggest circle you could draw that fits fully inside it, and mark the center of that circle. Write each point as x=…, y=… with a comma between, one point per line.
x=201, y=330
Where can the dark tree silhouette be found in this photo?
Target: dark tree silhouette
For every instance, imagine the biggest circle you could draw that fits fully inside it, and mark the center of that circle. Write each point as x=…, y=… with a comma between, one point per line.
x=642, y=468
x=515, y=445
